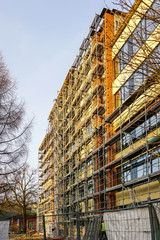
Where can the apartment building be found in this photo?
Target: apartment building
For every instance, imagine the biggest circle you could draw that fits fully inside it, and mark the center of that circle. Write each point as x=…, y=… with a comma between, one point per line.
x=102, y=150
x=73, y=152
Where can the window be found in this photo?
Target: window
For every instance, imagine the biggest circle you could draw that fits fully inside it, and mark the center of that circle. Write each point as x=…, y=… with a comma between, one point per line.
x=127, y=176
x=90, y=187
x=143, y=30
x=82, y=153
x=133, y=83
x=31, y=224
x=141, y=170
x=150, y=24
x=21, y=224
x=74, y=196
x=81, y=169
x=158, y=118
x=73, y=147
x=89, y=147
x=133, y=134
x=81, y=172
x=155, y=159
x=80, y=139
x=138, y=78
x=152, y=122
x=130, y=48
x=124, y=141
x=142, y=165
x=156, y=165
x=81, y=191
x=89, y=129
x=139, y=132
x=90, y=163
x=89, y=167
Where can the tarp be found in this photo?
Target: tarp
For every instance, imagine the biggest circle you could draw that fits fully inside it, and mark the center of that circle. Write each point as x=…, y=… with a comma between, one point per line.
x=4, y=229
x=128, y=224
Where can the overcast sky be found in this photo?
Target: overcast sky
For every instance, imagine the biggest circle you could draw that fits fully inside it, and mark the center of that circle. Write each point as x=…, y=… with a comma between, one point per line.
x=39, y=40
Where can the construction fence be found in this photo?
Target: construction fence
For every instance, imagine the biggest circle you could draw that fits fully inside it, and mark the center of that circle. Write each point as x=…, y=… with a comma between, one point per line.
x=137, y=223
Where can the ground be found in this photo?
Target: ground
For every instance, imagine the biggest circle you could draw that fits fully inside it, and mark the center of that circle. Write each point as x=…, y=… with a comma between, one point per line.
x=28, y=236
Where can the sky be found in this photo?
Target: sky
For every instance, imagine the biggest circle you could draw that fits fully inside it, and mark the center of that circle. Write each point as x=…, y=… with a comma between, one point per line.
x=39, y=40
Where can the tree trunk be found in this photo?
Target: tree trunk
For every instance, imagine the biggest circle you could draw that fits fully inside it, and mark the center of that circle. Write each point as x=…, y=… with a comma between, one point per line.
x=24, y=219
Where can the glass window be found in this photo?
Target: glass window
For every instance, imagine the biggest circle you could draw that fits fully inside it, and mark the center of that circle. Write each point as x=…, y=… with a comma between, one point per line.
x=127, y=176
x=89, y=129
x=90, y=163
x=73, y=147
x=138, y=78
x=31, y=224
x=130, y=48
x=80, y=138
x=152, y=121
x=90, y=187
x=141, y=170
x=158, y=117
x=81, y=191
x=134, y=173
x=151, y=24
x=142, y=165
x=21, y=224
x=138, y=37
x=156, y=165
x=138, y=131
x=133, y=134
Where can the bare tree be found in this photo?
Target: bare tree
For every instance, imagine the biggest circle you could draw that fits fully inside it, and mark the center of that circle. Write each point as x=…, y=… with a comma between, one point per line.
x=22, y=190
x=14, y=131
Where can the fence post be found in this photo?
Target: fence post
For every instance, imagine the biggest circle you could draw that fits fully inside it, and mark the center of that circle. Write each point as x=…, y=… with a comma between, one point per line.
x=151, y=222
x=44, y=227
x=78, y=225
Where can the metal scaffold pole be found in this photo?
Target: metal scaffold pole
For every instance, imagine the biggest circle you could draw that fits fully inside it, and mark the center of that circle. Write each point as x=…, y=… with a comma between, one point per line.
x=44, y=227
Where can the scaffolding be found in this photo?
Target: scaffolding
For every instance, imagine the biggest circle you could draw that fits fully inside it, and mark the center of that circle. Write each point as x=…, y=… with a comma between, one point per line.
x=135, y=170
x=102, y=148
x=46, y=179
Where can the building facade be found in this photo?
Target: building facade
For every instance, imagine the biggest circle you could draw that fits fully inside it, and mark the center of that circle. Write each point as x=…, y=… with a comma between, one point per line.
x=136, y=115
x=101, y=150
